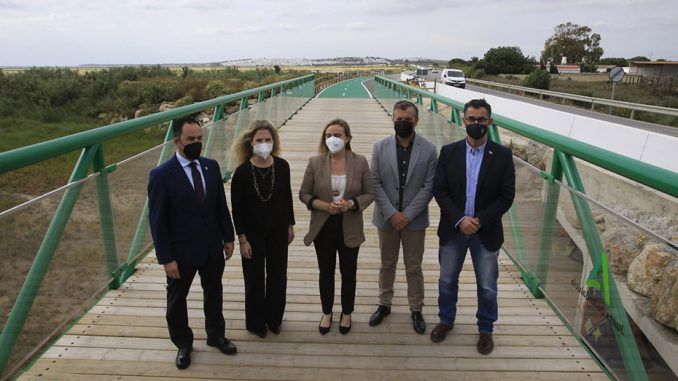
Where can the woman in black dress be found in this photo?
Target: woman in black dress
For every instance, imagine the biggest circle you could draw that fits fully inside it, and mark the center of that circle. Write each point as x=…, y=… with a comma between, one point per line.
x=261, y=201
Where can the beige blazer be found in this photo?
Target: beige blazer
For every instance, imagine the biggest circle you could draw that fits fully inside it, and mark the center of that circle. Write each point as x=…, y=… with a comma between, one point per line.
x=317, y=184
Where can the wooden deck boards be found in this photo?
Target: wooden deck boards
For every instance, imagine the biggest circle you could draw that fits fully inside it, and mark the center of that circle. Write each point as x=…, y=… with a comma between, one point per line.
x=125, y=336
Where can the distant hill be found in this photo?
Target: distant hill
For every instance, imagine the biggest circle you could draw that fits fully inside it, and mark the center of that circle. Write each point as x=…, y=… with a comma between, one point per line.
x=328, y=61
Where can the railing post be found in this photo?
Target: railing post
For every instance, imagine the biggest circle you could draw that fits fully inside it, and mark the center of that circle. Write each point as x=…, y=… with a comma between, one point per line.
x=43, y=258
x=261, y=97
x=142, y=227
x=244, y=103
x=434, y=106
x=549, y=218
x=628, y=348
x=420, y=99
x=106, y=216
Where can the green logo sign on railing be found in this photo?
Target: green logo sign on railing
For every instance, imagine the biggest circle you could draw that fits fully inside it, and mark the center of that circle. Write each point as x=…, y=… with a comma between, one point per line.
x=592, y=280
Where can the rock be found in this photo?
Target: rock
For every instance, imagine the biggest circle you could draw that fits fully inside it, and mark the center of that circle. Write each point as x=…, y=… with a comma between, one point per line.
x=646, y=270
x=140, y=112
x=622, y=245
x=164, y=106
x=203, y=118
x=102, y=115
x=664, y=305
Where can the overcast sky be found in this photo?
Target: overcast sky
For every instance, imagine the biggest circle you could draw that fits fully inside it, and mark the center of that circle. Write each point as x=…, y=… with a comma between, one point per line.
x=74, y=32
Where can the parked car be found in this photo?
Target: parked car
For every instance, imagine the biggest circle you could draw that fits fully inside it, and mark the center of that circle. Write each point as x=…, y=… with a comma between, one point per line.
x=453, y=77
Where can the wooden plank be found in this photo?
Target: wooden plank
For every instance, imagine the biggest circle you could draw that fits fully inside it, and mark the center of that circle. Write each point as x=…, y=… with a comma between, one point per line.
x=197, y=371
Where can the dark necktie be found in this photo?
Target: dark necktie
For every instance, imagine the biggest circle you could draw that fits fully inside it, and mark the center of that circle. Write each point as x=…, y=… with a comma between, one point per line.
x=197, y=181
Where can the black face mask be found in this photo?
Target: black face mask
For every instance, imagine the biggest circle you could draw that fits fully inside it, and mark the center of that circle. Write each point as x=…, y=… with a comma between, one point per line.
x=403, y=128
x=476, y=130
x=192, y=151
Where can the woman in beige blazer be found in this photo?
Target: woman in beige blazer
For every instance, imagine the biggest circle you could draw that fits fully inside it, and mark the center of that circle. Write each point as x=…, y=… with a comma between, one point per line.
x=337, y=187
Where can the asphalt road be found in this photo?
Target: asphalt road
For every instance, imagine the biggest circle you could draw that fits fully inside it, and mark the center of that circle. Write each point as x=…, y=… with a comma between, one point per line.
x=666, y=130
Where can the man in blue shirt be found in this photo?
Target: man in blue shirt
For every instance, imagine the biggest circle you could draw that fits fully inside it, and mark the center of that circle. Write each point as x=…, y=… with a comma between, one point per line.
x=474, y=186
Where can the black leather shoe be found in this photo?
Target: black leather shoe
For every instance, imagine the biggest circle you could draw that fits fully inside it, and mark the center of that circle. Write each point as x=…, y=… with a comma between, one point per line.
x=224, y=345
x=344, y=329
x=184, y=357
x=275, y=330
x=485, y=344
x=261, y=334
x=439, y=332
x=418, y=322
x=379, y=314
x=324, y=330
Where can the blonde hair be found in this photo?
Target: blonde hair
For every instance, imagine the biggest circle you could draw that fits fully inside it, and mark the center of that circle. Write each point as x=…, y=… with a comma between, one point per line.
x=242, y=147
x=347, y=131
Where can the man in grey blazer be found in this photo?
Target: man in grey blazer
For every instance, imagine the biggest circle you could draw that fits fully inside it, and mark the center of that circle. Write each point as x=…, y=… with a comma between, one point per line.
x=403, y=168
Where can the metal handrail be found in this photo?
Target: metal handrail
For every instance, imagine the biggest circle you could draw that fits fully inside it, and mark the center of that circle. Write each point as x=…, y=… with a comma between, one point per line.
x=92, y=156
x=655, y=177
x=583, y=98
x=563, y=165
x=25, y=156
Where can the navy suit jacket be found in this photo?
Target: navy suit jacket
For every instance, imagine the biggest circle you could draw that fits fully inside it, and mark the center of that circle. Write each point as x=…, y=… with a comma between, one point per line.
x=494, y=194
x=184, y=228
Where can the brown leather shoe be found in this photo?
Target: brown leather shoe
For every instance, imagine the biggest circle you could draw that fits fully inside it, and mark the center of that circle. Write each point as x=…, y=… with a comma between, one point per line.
x=485, y=344
x=439, y=332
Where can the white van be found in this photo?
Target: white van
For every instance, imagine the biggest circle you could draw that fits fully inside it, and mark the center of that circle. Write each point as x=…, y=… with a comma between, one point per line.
x=453, y=77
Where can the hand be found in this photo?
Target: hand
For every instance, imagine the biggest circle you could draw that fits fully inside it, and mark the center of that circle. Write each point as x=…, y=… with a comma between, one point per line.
x=172, y=270
x=469, y=225
x=246, y=250
x=228, y=250
x=290, y=234
x=347, y=205
x=332, y=208
x=399, y=221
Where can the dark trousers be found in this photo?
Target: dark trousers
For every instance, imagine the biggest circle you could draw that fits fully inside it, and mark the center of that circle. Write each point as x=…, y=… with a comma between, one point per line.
x=177, y=291
x=328, y=242
x=265, y=277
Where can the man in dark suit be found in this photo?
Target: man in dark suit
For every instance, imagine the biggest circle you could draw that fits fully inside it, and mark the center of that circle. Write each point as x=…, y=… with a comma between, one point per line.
x=474, y=186
x=192, y=232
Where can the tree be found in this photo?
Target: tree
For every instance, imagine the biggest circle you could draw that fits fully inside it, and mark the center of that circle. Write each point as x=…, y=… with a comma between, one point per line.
x=616, y=61
x=639, y=59
x=507, y=60
x=277, y=69
x=456, y=63
x=575, y=42
x=539, y=79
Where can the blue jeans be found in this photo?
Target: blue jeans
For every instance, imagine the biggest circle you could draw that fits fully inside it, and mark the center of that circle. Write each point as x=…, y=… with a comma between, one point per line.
x=451, y=257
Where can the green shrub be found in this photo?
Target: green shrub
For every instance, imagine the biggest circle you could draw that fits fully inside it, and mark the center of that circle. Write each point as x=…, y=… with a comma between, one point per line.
x=538, y=79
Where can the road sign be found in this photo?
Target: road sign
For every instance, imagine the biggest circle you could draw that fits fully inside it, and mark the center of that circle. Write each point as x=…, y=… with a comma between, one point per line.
x=616, y=74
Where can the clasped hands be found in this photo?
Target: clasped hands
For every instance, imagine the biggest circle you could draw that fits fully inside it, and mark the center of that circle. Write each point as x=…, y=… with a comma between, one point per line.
x=338, y=207
x=469, y=225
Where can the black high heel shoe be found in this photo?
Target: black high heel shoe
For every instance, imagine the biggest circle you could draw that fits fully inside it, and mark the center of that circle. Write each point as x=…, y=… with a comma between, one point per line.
x=344, y=329
x=324, y=330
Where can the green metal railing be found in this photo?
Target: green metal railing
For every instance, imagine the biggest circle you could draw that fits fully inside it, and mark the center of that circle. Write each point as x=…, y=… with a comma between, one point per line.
x=565, y=150
x=92, y=157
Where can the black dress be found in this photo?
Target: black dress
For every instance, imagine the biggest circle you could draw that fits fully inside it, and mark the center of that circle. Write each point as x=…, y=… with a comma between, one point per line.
x=261, y=201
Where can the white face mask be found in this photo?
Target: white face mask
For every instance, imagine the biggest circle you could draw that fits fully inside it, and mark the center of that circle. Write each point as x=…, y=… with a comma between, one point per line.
x=334, y=144
x=263, y=150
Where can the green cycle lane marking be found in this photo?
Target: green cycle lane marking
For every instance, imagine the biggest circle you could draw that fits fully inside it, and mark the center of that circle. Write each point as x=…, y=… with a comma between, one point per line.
x=352, y=88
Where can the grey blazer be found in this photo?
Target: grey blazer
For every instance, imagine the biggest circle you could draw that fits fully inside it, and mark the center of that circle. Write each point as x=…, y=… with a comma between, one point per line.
x=418, y=187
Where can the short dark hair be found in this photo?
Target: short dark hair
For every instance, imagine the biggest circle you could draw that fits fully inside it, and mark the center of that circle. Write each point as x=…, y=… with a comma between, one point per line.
x=404, y=105
x=178, y=124
x=478, y=103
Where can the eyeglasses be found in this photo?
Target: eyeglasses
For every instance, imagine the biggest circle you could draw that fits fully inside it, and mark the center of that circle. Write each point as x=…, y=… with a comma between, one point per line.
x=480, y=119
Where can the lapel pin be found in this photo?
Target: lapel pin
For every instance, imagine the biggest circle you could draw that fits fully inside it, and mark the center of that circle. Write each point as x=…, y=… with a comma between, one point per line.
x=490, y=152
x=205, y=168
